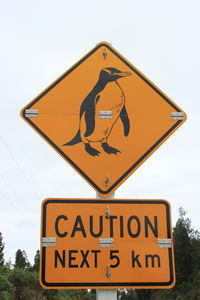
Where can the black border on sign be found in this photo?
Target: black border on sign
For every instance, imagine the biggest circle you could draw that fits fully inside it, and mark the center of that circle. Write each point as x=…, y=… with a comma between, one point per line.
x=111, y=188
x=104, y=284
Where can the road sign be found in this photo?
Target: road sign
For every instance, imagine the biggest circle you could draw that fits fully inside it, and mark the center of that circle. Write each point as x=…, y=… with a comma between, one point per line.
x=104, y=117
x=90, y=243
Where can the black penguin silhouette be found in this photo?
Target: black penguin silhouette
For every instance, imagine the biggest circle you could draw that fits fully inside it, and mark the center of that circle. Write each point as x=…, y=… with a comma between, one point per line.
x=106, y=96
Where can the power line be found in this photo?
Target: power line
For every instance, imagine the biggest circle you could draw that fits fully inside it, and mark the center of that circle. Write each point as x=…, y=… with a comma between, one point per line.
x=13, y=191
x=19, y=167
x=6, y=198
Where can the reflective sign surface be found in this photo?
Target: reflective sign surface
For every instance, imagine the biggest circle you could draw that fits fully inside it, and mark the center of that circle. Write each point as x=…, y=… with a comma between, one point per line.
x=104, y=117
x=106, y=244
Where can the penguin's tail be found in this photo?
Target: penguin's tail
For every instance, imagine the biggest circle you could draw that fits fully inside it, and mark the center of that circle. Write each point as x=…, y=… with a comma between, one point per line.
x=75, y=140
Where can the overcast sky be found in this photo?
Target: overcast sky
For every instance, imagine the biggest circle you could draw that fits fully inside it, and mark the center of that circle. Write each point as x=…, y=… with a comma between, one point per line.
x=40, y=40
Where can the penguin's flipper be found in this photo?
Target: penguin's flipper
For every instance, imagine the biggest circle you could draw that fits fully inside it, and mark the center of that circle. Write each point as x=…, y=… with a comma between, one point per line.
x=90, y=120
x=75, y=140
x=125, y=120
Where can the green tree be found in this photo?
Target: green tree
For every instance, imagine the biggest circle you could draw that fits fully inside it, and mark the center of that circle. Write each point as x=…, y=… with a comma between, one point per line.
x=26, y=283
x=69, y=295
x=6, y=287
x=79, y=295
x=187, y=262
x=1, y=250
x=36, y=265
x=183, y=247
x=21, y=260
x=52, y=295
x=143, y=294
x=127, y=294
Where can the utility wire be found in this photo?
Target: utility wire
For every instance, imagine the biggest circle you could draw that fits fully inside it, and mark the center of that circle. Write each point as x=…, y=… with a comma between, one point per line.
x=19, y=167
x=16, y=195
x=8, y=200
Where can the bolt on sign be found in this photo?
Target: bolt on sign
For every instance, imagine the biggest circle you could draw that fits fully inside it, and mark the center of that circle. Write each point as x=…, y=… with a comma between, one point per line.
x=106, y=244
x=103, y=112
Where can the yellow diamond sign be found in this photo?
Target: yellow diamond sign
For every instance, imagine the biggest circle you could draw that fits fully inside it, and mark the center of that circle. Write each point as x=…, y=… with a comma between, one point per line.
x=104, y=117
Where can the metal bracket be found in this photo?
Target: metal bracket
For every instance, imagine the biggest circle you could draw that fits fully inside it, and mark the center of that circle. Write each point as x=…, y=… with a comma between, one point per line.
x=108, y=212
x=164, y=243
x=178, y=115
x=105, y=53
x=105, y=114
x=106, y=242
x=31, y=113
x=107, y=180
x=48, y=242
x=108, y=274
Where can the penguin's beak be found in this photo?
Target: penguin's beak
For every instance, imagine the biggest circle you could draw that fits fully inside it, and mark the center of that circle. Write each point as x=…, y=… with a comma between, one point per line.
x=123, y=74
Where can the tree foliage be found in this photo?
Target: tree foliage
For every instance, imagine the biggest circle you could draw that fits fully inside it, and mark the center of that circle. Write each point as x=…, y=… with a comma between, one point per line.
x=6, y=286
x=36, y=261
x=21, y=260
x=1, y=250
x=183, y=247
x=22, y=282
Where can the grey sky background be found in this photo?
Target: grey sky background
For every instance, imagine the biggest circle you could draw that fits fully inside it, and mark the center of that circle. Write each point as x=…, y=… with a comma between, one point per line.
x=40, y=40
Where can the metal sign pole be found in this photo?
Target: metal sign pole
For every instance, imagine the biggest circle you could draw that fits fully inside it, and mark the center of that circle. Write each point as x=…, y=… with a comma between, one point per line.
x=106, y=294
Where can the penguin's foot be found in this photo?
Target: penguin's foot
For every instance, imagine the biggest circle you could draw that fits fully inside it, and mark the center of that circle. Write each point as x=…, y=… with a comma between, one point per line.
x=90, y=150
x=108, y=149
